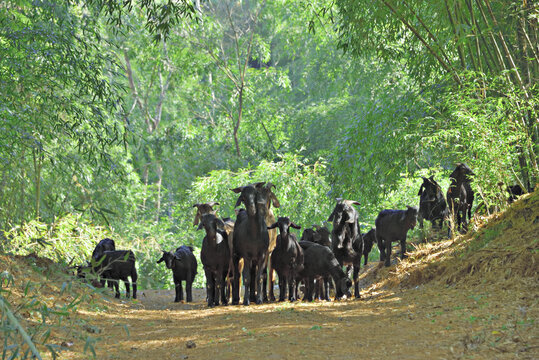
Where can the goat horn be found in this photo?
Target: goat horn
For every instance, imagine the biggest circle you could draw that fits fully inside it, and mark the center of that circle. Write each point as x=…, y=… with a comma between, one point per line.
x=269, y=185
x=259, y=184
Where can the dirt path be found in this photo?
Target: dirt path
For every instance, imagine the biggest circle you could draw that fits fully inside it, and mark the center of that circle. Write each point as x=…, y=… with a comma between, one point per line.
x=426, y=322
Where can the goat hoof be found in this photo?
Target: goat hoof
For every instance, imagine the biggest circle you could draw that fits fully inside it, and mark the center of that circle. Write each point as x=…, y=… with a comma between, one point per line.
x=246, y=302
x=259, y=301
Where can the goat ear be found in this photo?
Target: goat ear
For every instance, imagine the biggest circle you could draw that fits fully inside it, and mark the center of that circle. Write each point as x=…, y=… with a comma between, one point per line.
x=330, y=218
x=197, y=205
x=238, y=189
x=295, y=226
x=162, y=257
x=431, y=178
x=199, y=226
x=197, y=218
x=274, y=200
x=273, y=226
x=213, y=203
x=351, y=202
x=220, y=224
x=191, y=248
x=420, y=190
x=238, y=203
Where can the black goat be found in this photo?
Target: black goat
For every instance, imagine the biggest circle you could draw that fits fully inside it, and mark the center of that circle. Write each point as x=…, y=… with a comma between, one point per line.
x=202, y=209
x=460, y=195
x=321, y=236
x=215, y=256
x=207, y=208
x=317, y=234
x=267, y=195
x=432, y=204
x=320, y=263
x=393, y=225
x=368, y=240
x=251, y=241
x=287, y=258
x=184, y=268
x=104, y=245
x=344, y=209
x=346, y=239
x=119, y=265
x=514, y=192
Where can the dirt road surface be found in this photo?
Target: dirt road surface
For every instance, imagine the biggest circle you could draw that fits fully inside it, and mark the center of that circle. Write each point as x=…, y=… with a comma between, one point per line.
x=426, y=322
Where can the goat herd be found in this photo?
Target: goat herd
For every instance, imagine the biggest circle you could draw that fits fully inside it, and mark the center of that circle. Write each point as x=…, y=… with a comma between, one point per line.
x=250, y=246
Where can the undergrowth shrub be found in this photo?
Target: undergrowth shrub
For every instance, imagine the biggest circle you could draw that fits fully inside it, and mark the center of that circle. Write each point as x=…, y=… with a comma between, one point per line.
x=69, y=240
x=40, y=303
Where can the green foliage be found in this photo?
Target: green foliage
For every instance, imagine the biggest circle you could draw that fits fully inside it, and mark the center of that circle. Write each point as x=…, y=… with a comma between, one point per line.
x=161, y=16
x=301, y=189
x=68, y=240
x=58, y=105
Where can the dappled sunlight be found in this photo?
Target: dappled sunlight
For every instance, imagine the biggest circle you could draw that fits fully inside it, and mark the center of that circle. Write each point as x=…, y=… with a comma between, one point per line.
x=417, y=302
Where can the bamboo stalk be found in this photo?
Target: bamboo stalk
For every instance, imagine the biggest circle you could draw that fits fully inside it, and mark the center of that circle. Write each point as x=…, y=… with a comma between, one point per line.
x=507, y=52
x=492, y=38
x=455, y=32
x=429, y=32
x=447, y=67
x=475, y=28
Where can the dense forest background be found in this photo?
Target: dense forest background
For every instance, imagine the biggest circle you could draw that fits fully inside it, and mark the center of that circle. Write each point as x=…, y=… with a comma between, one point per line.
x=116, y=117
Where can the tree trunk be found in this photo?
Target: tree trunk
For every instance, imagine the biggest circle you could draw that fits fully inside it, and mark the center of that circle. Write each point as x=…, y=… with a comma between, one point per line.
x=145, y=176
x=237, y=125
x=159, y=171
x=38, y=163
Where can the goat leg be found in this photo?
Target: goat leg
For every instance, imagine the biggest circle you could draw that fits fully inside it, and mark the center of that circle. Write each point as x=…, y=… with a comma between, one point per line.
x=127, y=287
x=258, y=280
x=236, y=282
x=247, y=264
x=222, y=286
